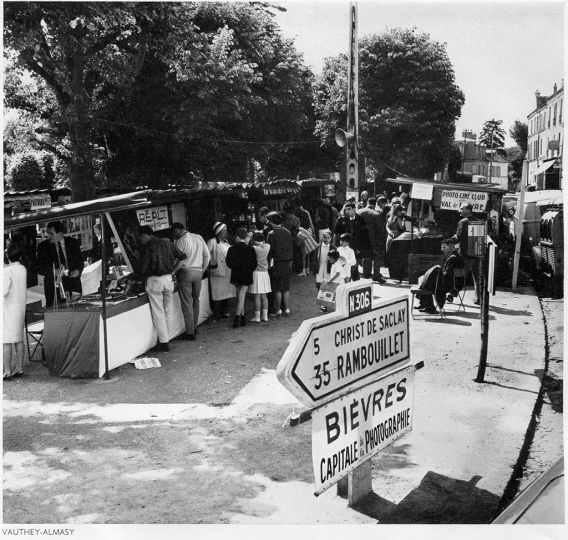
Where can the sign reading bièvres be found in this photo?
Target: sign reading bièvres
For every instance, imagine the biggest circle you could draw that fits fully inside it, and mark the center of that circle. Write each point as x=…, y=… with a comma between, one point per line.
x=156, y=217
x=349, y=430
x=452, y=199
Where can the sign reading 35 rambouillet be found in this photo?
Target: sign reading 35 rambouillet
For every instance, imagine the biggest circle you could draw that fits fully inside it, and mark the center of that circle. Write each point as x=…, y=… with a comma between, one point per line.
x=331, y=355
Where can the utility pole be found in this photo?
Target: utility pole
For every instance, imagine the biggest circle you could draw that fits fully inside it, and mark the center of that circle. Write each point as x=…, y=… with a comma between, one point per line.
x=484, y=286
x=350, y=137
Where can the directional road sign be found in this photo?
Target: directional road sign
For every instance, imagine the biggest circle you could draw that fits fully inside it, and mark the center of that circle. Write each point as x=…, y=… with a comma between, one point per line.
x=349, y=430
x=333, y=354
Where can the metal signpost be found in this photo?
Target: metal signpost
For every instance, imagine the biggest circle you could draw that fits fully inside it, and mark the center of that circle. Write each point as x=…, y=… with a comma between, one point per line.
x=352, y=367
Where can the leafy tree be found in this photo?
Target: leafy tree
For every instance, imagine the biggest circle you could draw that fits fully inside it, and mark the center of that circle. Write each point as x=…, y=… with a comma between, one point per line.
x=519, y=132
x=408, y=101
x=492, y=135
x=26, y=171
x=86, y=53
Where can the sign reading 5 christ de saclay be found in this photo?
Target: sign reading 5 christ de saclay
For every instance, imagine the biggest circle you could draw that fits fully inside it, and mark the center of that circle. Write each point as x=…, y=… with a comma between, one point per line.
x=349, y=430
x=330, y=355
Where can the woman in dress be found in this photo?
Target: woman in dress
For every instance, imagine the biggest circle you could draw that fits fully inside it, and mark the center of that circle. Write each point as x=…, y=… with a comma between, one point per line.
x=15, y=288
x=220, y=273
x=260, y=279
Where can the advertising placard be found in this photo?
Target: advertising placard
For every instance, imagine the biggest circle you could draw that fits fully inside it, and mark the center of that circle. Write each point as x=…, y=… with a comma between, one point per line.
x=476, y=238
x=453, y=198
x=351, y=429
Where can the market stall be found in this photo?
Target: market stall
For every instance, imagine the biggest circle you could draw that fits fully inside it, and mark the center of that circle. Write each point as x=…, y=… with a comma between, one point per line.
x=90, y=335
x=432, y=215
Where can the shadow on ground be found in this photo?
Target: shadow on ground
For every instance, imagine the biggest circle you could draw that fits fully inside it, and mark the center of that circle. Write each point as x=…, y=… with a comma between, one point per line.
x=437, y=500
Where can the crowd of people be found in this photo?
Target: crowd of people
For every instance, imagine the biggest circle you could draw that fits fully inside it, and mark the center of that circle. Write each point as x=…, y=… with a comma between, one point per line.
x=333, y=246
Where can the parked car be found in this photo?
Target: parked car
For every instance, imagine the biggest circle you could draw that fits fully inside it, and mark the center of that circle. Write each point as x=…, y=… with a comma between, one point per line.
x=541, y=502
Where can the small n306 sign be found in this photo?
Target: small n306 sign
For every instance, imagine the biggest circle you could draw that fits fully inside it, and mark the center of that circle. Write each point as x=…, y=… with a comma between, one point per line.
x=360, y=301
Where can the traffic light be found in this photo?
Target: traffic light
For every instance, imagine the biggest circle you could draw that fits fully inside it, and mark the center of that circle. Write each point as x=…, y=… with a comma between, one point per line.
x=352, y=170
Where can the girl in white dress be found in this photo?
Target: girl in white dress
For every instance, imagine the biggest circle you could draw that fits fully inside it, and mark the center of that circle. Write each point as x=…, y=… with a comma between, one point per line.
x=261, y=280
x=220, y=274
x=15, y=288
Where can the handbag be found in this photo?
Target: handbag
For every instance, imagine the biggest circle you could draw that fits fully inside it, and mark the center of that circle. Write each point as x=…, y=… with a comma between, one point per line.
x=214, y=270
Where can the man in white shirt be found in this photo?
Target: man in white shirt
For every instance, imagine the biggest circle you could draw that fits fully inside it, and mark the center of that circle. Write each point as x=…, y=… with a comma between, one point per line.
x=190, y=274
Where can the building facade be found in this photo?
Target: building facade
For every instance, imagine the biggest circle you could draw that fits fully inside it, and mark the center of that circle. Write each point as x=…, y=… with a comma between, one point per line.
x=546, y=140
x=477, y=160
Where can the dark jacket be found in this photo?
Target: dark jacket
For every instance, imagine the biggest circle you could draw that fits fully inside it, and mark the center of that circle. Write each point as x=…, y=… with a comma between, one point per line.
x=305, y=219
x=281, y=246
x=241, y=259
x=371, y=218
x=356, y=227
x=159, y=257
x=461, y=236
x=47, y=256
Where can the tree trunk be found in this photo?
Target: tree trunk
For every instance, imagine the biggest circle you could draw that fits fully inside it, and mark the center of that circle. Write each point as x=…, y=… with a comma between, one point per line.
x=82, y=170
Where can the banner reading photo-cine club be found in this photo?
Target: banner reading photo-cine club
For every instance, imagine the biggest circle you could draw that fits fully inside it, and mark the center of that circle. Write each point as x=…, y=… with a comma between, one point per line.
x=452, y=199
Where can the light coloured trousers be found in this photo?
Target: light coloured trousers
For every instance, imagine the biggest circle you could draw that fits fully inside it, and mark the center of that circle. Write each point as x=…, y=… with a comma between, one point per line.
x=160, y=290
x=189, y=288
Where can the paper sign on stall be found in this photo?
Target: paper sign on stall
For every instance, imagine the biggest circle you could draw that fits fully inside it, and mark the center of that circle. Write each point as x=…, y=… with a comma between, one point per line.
x=452, y=199
x=156, y=217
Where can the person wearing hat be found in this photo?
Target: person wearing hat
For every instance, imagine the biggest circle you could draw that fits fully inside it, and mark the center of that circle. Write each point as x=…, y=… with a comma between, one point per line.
x=219, y=273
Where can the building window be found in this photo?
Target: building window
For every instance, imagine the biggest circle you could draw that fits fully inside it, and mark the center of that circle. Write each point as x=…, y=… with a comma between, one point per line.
x=554, y=119
x=548, y=116
x=560, y=113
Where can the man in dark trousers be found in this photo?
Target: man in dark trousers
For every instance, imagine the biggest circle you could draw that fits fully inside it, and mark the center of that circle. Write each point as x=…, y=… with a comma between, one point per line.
x=160, y=261
x=372, y=264
x=354, y=225
x=60, y=261
x=440, y=279
x=281, y=252
x=471, y=264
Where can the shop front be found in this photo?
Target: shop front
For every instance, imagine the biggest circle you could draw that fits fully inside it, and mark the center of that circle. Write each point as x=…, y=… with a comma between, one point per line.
x=110, y=323
x=431, y=216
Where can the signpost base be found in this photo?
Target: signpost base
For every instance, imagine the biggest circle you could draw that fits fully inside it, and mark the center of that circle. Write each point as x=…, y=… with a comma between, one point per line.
x=357, y=484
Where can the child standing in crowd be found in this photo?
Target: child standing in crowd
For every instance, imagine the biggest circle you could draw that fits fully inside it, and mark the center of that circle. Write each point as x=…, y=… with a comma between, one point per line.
x=339, y=272
x=321, y=265
x=260, y=278
x=348, y=254
x=241, y=259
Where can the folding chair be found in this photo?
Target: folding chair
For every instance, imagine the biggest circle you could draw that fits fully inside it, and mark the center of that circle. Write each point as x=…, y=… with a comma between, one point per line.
x=415, y=291
x=460, y=274
x=34, y=330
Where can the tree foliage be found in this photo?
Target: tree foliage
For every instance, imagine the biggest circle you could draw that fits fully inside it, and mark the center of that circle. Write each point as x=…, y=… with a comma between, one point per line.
x=408, y=101
x=140, y=92
x=26, y=171
x=492, y=135
x=519, y=132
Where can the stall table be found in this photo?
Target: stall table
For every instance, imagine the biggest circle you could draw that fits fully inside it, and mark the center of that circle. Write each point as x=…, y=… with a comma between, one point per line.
x=73, y=336
x=401, y=248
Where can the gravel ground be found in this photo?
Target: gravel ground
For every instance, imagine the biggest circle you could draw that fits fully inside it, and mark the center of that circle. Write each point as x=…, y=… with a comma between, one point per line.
x=547, y=445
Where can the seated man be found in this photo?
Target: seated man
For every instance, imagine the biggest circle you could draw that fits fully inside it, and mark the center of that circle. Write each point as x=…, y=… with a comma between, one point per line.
x=440, y=279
